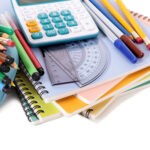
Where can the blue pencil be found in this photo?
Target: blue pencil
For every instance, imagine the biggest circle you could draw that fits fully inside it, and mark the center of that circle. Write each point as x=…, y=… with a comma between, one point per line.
x=111, y=18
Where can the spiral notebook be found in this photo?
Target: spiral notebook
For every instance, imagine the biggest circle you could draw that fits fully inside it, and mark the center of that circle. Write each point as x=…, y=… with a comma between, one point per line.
x=44, y=112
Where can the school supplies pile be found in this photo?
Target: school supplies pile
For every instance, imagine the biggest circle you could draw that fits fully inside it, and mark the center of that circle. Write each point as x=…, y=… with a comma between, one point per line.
x=81, y=77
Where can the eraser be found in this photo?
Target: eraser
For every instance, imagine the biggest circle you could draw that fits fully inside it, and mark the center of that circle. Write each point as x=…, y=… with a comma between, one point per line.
x=11, y=43
x=139, y=40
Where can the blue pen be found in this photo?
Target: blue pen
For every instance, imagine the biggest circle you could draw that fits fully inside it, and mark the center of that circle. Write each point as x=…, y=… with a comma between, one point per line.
x=111, y=18
x=118, y=43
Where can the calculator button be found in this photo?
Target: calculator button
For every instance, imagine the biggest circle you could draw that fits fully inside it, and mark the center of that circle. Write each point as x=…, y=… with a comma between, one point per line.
x=48, y=27
x=65, y=12
x=45, y=21
x=76, y=29
x=87, y=25
x=54, y=14
x=72, y=23
x=57, y=19
x=60, y=25
x=31, y=23
x=63, y=31
x=51, y=33
x=69, y=18
x=34, y=29
x=42, y=16
x=37, y=35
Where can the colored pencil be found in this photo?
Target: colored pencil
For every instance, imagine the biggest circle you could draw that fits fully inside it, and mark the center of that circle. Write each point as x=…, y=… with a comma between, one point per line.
x=4, y=79
x=122, y=21
x=137, y=52
x=7, y=42
x=22, y=53
x=6, y=58
x=7, y=30
x=134, y=23
x=116, y=41
x=2, y=48
x=111, y=18
x=25, y=45
x=4, y=35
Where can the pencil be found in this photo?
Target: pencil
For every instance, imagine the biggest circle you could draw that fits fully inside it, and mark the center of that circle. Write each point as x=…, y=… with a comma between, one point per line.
x=137, y=52
x=4, y=35
x=25, y=45
x=122, y=21
x=116, y=41
x=2, y=48
x=111, y=18
x=134, y=23
x=7, y=42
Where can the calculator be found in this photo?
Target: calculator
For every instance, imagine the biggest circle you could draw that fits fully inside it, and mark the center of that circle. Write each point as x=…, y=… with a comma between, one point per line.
x=47, y=22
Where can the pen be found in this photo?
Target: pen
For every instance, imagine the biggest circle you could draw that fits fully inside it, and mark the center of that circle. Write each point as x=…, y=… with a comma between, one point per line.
x=136, y=51
x=122, y=21
x=117, y=42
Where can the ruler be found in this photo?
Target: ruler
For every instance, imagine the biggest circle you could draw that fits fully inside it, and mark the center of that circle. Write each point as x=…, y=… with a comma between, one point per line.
x=82, y=62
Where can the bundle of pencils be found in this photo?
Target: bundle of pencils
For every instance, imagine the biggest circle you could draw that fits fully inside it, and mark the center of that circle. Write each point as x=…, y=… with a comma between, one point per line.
x=6, y=61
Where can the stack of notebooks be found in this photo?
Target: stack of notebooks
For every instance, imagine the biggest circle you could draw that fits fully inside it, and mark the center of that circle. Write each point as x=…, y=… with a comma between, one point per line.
x=102, y=73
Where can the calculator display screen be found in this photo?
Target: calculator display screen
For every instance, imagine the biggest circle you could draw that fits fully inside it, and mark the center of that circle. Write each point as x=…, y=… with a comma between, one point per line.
x=23, y=2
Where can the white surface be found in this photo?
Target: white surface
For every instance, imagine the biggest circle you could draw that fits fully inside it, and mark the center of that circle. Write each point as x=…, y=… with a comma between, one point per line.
x=127, y=127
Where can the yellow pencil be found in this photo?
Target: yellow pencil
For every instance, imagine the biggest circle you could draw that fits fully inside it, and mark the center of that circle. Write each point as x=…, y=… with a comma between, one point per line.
x=134, y=23
x=122, y=20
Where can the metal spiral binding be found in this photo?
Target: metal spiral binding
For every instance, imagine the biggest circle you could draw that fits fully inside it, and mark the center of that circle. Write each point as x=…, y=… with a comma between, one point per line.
x=25, y=93
x=140, y=16
x=28, y=112
x=38, y=85
x=86, y=113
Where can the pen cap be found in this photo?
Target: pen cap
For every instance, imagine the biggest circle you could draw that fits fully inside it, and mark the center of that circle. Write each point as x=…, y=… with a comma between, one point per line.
x=132, y=46
x=125, y=51
x=6, y=89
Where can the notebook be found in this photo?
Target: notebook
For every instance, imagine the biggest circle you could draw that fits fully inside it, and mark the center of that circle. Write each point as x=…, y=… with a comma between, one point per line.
x=72, y=105
x=95, y=91
x=43, y=111
x=95, y=111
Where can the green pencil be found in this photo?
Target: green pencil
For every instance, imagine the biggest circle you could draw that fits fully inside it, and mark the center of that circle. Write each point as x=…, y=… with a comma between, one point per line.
x=22, y=53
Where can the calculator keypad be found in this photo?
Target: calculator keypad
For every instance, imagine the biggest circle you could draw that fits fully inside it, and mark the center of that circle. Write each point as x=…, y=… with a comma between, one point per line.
x=52, y=20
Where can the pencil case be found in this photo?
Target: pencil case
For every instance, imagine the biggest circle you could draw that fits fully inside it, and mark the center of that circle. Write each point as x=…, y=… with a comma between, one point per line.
x=12, y=73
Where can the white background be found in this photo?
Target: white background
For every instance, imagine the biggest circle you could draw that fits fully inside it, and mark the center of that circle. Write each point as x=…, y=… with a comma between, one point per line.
x=125, y=125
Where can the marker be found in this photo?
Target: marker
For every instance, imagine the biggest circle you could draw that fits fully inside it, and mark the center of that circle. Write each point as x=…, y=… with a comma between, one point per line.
x=116, y=41
x=4, y=79
x=135, y=50
x=122, y=21
x=7, y=42
x=134, y=23
x=7, y=30
x=6, y=58
x=4, y=68
x=111, y=18
x=22, y=53
x=25, y=45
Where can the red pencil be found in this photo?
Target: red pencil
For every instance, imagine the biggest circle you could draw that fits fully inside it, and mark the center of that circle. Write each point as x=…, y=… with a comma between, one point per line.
x=26, y=47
